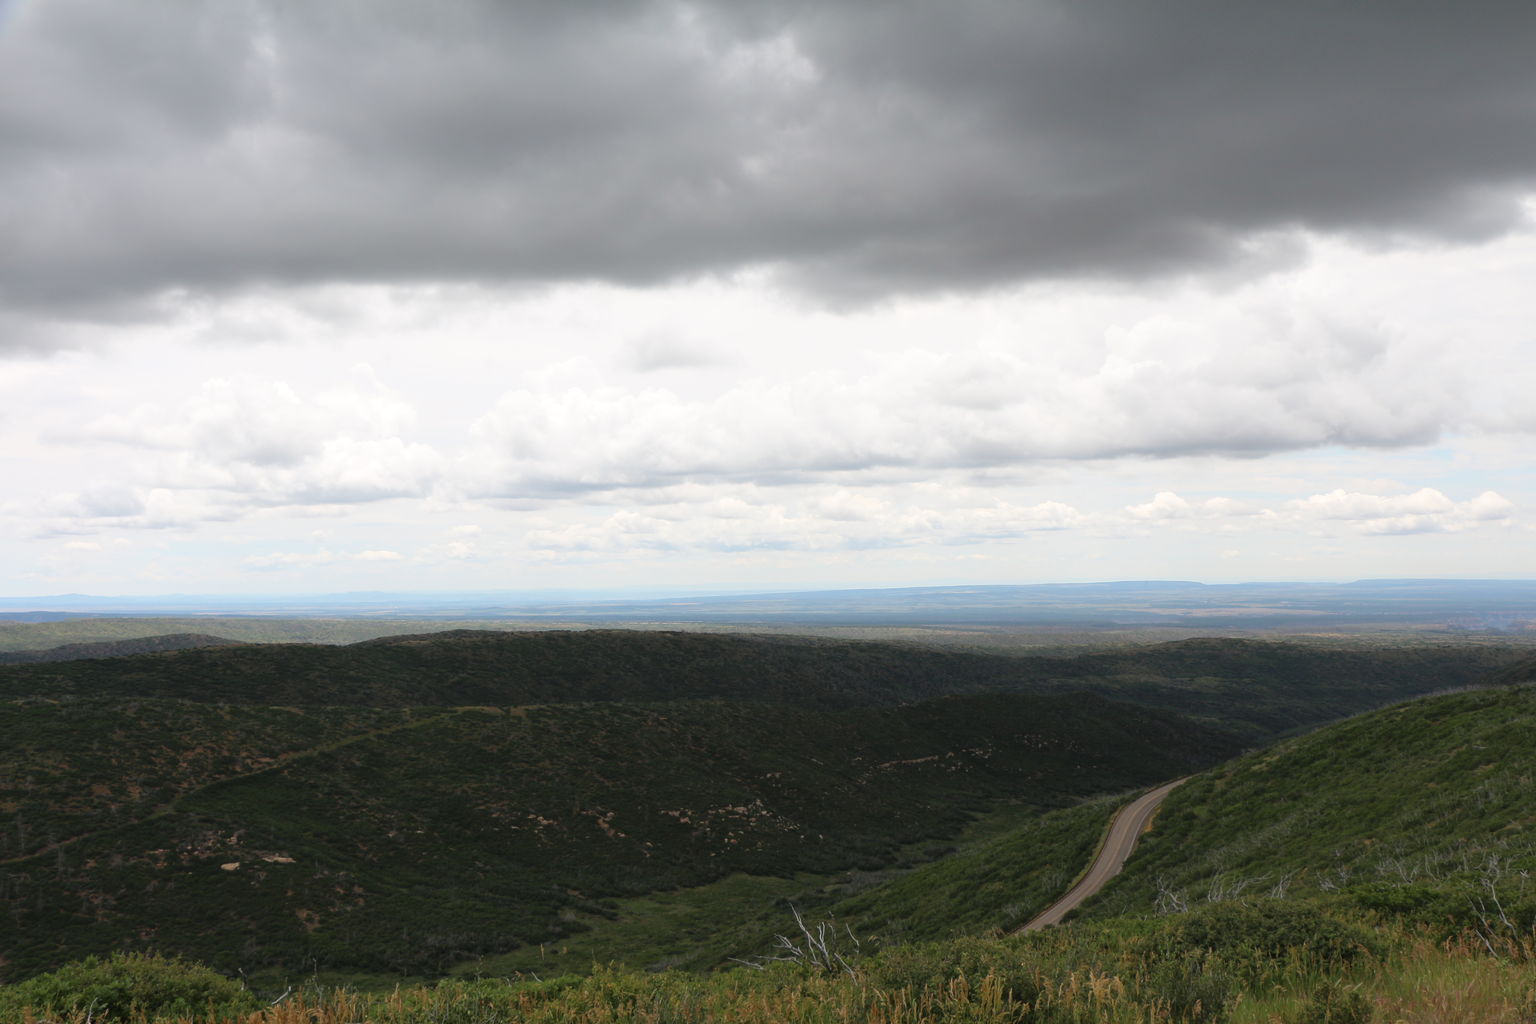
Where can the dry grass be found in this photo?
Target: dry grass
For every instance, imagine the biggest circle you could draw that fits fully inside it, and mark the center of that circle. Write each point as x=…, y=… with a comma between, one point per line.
x=1422, y=981
x=1429, y=982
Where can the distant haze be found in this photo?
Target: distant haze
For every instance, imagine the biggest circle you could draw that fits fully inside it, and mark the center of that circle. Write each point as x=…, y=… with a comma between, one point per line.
x=1461, y=607
x=314, y=298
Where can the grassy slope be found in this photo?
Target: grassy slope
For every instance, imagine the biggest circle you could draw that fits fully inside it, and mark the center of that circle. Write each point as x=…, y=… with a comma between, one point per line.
x=701, y=927
x=1415, y=808
x=993, y=885
x=1005, y=867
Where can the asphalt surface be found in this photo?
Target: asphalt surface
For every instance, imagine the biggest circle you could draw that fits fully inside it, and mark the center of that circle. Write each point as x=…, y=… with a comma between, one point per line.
x=1128, y=825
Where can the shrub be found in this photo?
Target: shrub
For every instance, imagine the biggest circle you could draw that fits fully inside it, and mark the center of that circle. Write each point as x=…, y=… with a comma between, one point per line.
x=1386, y=898
x=1259, y=939
x=129, y=986
x=1189, y=989
x=1335, y=1004
x=932, y=965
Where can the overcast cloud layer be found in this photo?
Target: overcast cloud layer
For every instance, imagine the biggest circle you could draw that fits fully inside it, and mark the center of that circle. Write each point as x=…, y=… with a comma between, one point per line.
x=855, y=149
x=488, y=293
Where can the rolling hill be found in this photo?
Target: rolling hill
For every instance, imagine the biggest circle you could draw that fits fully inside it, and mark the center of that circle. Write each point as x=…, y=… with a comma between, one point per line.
x=456, y=804
x=414, y=807
x=1256, y=688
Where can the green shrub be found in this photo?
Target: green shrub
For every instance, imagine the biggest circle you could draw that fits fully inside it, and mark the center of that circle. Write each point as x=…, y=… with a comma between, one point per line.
x=932, y=965
x=1386, y=898
x=1335, y=1004
x=1256, y=940
x=1190, y=988
x=129, y=986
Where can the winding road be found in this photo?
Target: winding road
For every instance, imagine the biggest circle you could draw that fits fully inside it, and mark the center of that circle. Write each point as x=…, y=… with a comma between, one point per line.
x=1128, y=825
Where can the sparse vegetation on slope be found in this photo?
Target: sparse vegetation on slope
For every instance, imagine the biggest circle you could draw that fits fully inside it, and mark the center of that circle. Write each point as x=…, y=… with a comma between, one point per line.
x=1423, y=809
x=994, y=885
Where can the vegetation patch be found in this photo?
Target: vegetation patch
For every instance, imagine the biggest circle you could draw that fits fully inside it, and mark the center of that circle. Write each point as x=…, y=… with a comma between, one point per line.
x=395, y=814
x=1420, y=811
x=126, y=987
x=409, y=841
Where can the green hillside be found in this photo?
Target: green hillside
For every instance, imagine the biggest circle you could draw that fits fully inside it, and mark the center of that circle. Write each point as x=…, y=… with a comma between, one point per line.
x=996, y=884
x=68, y=770
x=1257, y=688
x=1423, y=809
x=1376, y=869
x=1268, y=687
x=407, y=840
x=480, y=667
x=482, y=803
x=1521, y=671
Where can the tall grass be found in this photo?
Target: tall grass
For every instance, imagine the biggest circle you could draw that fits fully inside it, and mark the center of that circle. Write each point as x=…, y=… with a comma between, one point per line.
x=1423, y=981
x=1109, y=973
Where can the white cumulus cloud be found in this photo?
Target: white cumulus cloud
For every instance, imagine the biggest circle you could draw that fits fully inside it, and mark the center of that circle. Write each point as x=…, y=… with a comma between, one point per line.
x=1426, y=510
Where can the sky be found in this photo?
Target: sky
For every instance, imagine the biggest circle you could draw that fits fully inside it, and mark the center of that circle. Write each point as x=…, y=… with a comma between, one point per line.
x=597, y=294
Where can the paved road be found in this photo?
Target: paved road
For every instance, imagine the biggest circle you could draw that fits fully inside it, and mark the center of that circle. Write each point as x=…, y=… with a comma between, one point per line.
x=1129, y=823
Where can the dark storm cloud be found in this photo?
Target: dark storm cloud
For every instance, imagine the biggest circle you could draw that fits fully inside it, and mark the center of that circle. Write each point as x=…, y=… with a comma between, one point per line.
x=858, y=148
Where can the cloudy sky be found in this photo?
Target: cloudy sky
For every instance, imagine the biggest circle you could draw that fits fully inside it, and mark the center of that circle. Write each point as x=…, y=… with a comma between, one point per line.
x=585, y=293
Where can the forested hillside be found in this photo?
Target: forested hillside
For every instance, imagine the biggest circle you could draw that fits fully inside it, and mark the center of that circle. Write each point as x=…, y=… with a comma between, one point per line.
x=400, y=806
x=503, y=805
x=1257, y=688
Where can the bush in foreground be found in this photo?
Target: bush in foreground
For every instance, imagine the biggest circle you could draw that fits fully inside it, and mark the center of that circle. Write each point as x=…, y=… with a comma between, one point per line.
x=129, y=987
